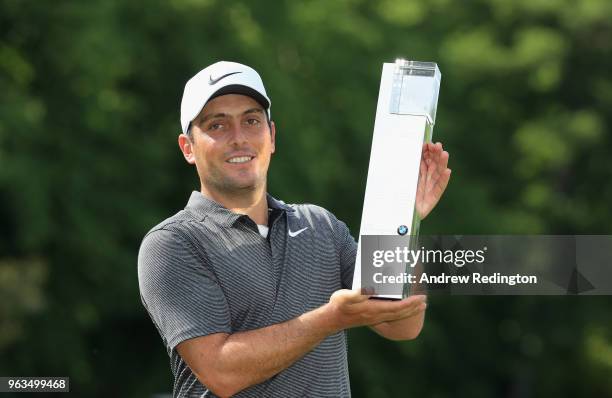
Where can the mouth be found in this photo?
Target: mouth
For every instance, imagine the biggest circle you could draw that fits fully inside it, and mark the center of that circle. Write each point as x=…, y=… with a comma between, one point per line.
x=240, y=159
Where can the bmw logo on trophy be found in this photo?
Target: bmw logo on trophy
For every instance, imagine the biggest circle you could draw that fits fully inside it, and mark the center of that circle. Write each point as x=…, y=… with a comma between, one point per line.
x=405, y=117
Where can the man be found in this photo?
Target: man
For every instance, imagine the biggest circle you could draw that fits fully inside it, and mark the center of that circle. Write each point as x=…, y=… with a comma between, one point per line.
x=251, y=295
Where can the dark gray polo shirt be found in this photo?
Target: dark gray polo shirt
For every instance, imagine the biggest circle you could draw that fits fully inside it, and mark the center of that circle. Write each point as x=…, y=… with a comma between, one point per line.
x=208, y=270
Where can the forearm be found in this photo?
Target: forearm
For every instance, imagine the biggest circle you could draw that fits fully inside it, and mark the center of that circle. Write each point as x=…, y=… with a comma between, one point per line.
x=229, y=363
x=401, y=329
x=407, y=328
x=248, y=358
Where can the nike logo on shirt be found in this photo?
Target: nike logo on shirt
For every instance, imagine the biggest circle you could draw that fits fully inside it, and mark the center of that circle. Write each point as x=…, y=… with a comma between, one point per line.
x=212, y=81
x=296, y=233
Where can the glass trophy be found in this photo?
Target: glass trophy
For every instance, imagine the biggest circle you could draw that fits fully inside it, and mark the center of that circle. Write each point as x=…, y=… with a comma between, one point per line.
x=405, y=116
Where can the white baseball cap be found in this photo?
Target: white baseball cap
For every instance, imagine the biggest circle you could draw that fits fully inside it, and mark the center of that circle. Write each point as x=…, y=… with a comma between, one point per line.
x=219, y=79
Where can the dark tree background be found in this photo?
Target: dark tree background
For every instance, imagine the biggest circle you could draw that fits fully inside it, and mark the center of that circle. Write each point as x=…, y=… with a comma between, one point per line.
x=89, y=115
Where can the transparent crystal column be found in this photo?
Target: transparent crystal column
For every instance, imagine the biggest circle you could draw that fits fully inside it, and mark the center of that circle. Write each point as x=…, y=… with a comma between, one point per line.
x=415, y=89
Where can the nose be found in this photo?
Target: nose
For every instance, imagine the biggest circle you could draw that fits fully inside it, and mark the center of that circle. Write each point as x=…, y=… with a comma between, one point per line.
x=237, y=134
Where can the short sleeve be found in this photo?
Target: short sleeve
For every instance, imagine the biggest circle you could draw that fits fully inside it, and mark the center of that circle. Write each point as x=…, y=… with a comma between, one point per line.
x=347, y=250
x=178, y=290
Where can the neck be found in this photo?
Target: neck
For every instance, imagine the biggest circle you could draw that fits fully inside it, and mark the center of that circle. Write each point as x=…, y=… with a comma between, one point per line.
x=252, y=203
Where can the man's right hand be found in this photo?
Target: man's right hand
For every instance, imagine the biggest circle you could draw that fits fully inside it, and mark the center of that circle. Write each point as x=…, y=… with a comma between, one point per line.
x=351, y=308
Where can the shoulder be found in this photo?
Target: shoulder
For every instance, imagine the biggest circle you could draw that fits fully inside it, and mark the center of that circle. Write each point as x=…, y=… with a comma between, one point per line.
x=174, y=223
x=168, y=252
x=178, y=227
x=169, y=237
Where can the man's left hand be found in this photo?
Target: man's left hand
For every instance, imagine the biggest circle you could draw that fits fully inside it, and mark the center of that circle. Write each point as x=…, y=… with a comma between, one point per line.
x=433, y=178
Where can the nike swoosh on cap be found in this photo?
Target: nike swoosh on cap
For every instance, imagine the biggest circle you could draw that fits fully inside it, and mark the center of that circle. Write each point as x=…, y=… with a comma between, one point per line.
x=212, y=81
x=296, y=233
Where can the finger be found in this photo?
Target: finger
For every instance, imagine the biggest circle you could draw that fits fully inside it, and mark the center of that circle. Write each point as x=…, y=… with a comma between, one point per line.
x=349, y=296
x=423, y=169
x=442, y=183
x=414, y=309
x=438, y=169
x=422, y=180
x=394, y=307
x=440, y=155
x=416, y=299
x=432, y=158
x=431, y=147
x=437, y=150
x=443, y=161
x=432, y=167
x=440, y=164
x=427, y=156
x=411, y=304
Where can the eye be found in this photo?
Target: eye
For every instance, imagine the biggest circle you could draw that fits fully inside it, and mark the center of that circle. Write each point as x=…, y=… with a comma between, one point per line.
x=215, y=126
x=253, y=122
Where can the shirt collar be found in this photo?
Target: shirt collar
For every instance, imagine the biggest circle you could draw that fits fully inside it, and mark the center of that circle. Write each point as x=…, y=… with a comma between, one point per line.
x=203, y=207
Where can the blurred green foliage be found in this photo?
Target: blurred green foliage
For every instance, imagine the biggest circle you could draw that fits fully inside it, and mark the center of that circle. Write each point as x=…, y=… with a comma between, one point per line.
x=89, y=115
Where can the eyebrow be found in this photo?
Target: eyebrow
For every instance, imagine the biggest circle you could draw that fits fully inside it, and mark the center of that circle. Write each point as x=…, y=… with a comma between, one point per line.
x=220, y=115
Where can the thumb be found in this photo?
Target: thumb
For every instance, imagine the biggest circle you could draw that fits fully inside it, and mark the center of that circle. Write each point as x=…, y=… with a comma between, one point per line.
x=349, y=296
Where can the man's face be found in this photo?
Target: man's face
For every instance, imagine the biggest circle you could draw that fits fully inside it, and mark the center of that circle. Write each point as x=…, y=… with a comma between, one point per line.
x=232, y=144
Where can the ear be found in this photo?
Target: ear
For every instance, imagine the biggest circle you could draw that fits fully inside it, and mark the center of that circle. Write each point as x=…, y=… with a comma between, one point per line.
x=273, y=135
x=186, y=146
